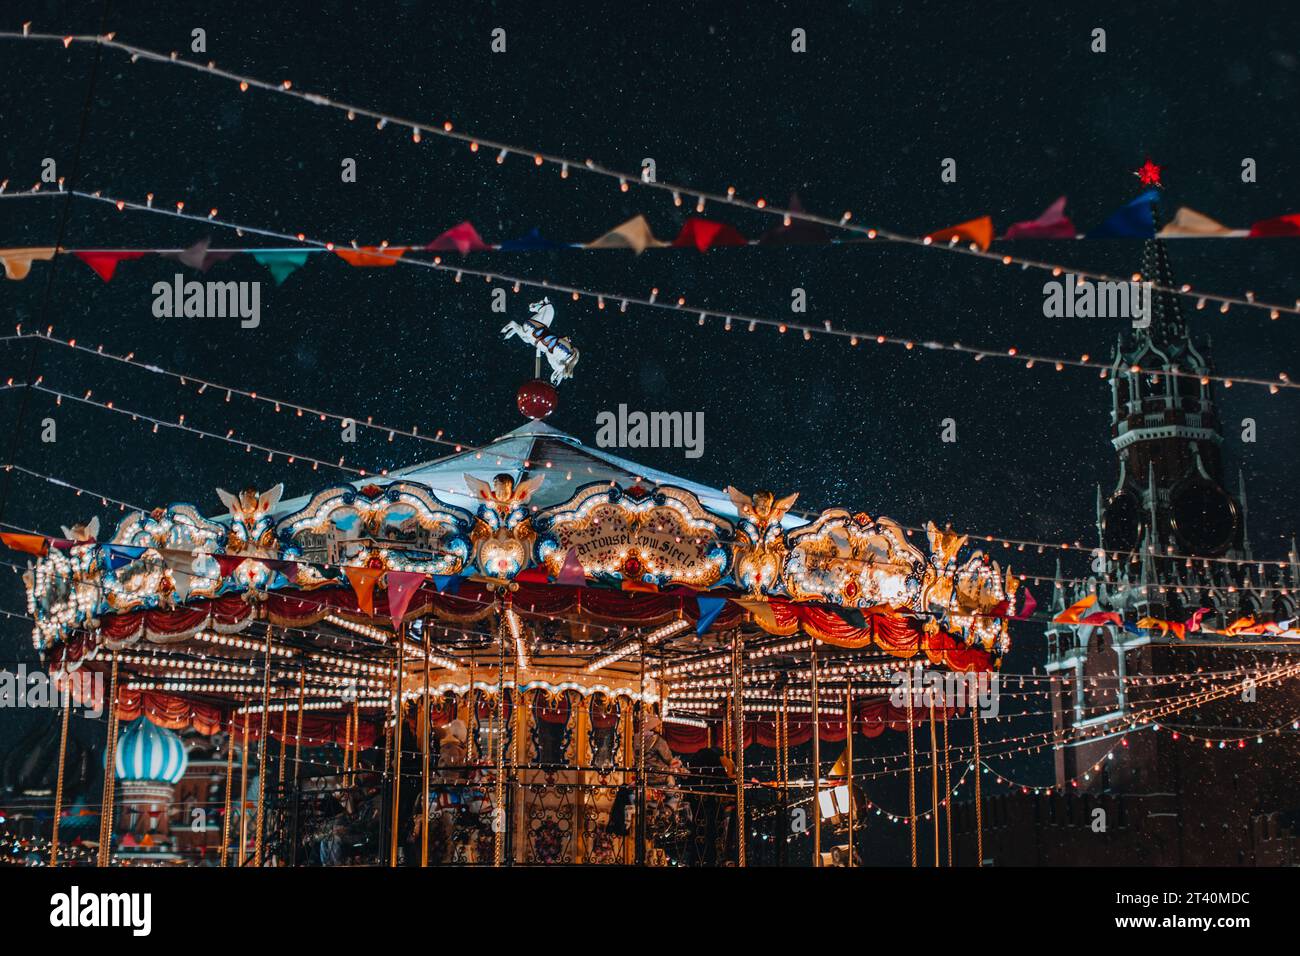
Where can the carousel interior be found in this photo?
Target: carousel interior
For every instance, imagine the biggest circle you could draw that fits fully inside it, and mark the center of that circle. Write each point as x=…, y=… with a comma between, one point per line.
x=527, y=653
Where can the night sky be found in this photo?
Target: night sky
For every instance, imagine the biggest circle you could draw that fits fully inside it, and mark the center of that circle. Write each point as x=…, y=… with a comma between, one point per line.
x=860, y=122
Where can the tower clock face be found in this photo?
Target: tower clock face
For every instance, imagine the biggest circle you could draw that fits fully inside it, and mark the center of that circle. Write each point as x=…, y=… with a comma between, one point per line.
x=1204, y=516
x=1121, y=522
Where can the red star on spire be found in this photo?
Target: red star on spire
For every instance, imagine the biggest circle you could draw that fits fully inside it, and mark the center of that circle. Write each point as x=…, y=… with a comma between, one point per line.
x=1148, y=174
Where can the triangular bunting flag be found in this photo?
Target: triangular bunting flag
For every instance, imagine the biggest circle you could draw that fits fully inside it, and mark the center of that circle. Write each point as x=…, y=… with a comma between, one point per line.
x=120, y=555
x=280, y=262
x=1052, y=223
x=634, y=234
x=1276, y=228
x=1189, y=222
x=463, y=238
x=799, y=232
x=978, y=231
x=709, y=609
x=1072, y=614
x=198, y=257
x=1027, y=609
x=571, y=572
x=704, y=234
x=105, y=263
x=377, y=257
x=447, y=583
x=533, y=241
x=27, y=543
x=1134, y=221
x=18, y=262
x=402, y=586
x=363, y=582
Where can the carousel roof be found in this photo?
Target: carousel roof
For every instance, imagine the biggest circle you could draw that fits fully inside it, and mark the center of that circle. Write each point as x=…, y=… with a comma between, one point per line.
x=572, y=465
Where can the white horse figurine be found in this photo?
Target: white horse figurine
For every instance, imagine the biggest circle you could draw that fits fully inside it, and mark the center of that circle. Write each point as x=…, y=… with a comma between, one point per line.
x=559, y=352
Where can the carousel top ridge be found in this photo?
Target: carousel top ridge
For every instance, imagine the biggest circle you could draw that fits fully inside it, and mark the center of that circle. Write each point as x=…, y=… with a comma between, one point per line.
x=534, y=509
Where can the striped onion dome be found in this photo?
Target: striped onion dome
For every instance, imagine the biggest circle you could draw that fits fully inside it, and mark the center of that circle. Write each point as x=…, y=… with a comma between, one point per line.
x=149, y=753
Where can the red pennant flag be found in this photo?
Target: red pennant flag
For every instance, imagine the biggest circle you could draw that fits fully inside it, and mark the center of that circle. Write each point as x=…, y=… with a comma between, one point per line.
x=1278, y=227
x=105, y=263
x=402, y=586
x=228, y=562
x=463, y=238
x=571, y=572
x=29, y=543
x=1103, y=617
x=363, y=582
x=978, y=231
x=704, y=234
x=1027, y=611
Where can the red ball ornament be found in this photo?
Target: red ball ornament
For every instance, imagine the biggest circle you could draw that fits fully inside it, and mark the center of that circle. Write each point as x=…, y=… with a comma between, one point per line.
x=536, y=399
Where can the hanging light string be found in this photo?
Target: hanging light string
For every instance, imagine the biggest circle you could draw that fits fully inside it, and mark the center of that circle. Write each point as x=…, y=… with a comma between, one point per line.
x=1027, y=360
x=203, y=385
x=229, y=437
x=447, y=130
x=1007, y=543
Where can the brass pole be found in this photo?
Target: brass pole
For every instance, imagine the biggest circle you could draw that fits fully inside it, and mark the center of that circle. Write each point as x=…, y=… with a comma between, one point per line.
x=499, y=743
x=424, y=741
x=642, y=830
x=934, y=778
x=848, y=760
x=911, y=764
x=471, y=718
x=520, y=719
x=105, y=854
x=261, y=753
x=243, y=792
x=230, y=774
x=284, y=735
x=979, y=802
x=947, y=787
x=399, y=710
x=816, y=759
x=297, y=734
x=738, y=715
x=58, y=785
x=356, y=738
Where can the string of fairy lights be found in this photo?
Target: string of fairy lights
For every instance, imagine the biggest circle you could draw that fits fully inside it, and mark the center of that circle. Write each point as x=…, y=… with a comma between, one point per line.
x=1177, y=703
x=501, y=457
x=625, y=181
x=1026, y=360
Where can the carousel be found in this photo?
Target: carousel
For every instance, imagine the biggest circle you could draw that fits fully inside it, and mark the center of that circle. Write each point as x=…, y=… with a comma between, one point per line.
x=530, y=652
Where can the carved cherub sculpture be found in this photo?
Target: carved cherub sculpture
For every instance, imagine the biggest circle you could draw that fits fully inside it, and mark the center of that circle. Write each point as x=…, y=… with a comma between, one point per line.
x=82, y=533
x=252, y=531
x=760, y=544
x=503, y=534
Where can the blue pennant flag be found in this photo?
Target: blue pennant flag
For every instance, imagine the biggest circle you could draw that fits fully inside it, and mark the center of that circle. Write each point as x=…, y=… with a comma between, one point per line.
x=710, y=608
x=448, y=583
x=1134, y=221
x=528, y=243
x=120, y=555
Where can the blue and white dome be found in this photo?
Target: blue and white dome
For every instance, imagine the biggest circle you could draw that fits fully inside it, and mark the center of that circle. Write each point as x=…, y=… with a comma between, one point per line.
x=147, y=753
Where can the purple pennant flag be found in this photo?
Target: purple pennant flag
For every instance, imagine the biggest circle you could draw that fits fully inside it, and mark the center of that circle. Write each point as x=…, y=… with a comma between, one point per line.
x=1053, y=223
x=198, y=257
x=571, y=572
